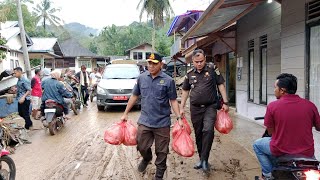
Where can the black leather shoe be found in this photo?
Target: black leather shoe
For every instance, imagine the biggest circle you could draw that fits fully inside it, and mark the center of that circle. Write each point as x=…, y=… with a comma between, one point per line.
x=205, y=166
x=143, y=165
x=198, y=165
x=159, y=175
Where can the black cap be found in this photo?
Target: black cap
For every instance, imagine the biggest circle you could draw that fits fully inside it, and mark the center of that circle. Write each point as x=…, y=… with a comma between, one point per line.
x=154, y=57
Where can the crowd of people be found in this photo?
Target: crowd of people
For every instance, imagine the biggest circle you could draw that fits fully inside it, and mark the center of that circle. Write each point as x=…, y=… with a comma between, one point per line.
x=57, y=85
x=290, y=116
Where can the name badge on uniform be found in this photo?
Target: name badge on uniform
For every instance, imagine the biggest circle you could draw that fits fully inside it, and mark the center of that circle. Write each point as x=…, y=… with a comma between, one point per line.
x=193, y=79
x=217, y=71
x=206, y=74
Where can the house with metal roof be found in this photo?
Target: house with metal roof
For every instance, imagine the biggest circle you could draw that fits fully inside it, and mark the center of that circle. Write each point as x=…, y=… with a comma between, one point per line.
x=179, y=26
x=46, y=49
x=140, y=52
x=75, y=55
x=10, y=32
x=253, y=41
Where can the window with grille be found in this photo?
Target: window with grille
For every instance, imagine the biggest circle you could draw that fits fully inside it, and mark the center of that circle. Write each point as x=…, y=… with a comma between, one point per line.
x=137, y=55
x=263, y=69
x=313, y=11
x=251, y=70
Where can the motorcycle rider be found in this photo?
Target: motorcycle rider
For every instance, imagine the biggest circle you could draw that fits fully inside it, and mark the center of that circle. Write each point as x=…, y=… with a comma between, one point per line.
x=289, y=120
x=53, y=89
x=94, y=76
x=68, y=101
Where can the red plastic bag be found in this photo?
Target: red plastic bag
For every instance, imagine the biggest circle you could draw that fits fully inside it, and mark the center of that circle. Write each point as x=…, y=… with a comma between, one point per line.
x=130, y=134
x=183, y=144
x=114, y=134
x=223, y=123
x=177, y=127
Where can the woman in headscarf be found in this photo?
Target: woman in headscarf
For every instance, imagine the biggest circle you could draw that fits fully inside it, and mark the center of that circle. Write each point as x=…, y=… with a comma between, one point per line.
x=46, y=74
x=53, y=89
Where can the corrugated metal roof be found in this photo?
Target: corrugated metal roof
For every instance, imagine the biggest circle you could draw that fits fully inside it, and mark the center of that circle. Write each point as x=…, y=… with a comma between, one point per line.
x=9, y=32
x=8, y=24
x=219, y=15
x=43, y=44
x=138, y=46
x=176, y=23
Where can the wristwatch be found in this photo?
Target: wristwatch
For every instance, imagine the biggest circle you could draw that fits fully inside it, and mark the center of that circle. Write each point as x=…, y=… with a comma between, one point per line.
x=226, y=103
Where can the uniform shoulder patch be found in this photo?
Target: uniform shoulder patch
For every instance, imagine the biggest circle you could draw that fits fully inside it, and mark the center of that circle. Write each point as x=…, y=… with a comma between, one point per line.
x=211, y=65
x=189, y=71
x=216, y=69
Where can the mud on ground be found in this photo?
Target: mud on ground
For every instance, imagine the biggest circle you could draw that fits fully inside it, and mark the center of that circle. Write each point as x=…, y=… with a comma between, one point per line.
x=79, y=152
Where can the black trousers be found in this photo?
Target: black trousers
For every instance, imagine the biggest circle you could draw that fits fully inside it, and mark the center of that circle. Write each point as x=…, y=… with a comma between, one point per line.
x=24, y=112
x=203, y=119
x=84, y=93
x=161, y=136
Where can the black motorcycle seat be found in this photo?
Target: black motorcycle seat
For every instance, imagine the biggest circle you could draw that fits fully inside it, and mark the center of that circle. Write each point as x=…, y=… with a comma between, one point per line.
x=296, y=158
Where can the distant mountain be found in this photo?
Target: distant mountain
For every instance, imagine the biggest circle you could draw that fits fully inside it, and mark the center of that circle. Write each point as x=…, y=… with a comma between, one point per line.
x=80, y=29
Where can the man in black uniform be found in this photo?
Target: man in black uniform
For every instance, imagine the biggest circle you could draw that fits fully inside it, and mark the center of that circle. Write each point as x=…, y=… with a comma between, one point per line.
x=203, y=81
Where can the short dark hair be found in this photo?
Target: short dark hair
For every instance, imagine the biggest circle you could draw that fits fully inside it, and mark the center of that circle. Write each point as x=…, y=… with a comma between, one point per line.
x=197, y=51
x=18, y=69
x=288, y=82
x=37, y=71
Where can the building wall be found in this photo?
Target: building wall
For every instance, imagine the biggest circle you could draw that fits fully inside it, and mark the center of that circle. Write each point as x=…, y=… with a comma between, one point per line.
x=6, y=63
x=14, y=43
x=293, y=41
x=143, y=49
x=264, y=20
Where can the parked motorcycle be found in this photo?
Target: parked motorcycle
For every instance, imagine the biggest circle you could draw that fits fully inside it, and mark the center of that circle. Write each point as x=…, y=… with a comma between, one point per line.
x=294, y=167
x=7, y=166
x=54, y=119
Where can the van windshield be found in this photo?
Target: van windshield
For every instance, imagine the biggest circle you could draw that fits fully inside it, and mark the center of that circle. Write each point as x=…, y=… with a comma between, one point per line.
x=121, y=73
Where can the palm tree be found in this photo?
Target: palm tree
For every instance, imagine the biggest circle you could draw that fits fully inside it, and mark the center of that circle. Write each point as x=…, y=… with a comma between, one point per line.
x=46, y=13
x=155, y=9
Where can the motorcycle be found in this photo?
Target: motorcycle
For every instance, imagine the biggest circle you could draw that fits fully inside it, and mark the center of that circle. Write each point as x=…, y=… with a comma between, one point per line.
x=76, y=95
x=93, y=88
x=294, y=167
x=54, y=119
x=7, y=165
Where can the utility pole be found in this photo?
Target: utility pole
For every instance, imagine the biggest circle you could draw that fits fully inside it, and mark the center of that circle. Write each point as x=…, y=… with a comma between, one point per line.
x=24, y=41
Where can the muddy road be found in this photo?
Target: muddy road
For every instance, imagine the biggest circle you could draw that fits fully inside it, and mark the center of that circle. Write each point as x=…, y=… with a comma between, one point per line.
x=79, y=152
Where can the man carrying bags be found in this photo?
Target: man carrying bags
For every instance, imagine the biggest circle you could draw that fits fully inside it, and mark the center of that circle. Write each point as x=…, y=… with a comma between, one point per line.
x=157, y=91
x=202, y=82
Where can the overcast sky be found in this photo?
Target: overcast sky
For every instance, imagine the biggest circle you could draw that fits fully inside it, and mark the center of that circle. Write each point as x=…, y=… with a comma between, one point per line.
x=101, y=13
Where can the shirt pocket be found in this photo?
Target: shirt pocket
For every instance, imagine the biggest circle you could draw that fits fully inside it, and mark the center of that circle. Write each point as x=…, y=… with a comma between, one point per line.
x=161, y=92
x=144, y=90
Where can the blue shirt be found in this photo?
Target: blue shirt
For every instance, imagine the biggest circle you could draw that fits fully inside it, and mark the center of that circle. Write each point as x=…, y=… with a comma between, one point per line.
x=55, y=90
x=23, y=85
x=155, y=95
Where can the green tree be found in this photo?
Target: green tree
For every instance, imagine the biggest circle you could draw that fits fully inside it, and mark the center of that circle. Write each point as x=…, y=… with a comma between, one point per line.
x=156, y=9
x=8, y=12
x=93, y=47
x=46, y=13
x=114, y=40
